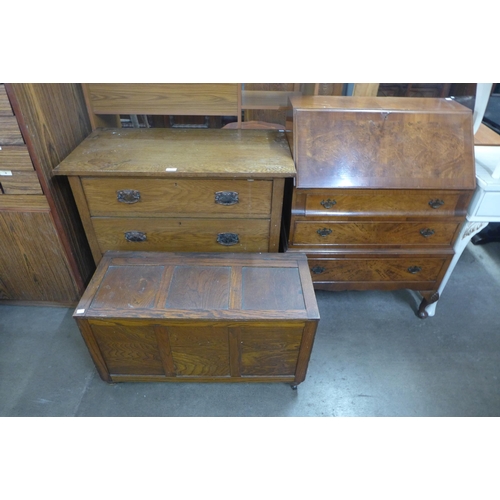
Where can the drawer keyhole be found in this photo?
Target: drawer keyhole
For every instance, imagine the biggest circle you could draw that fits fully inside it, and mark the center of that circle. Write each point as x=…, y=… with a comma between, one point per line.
x=324, y=232
x=328, y=203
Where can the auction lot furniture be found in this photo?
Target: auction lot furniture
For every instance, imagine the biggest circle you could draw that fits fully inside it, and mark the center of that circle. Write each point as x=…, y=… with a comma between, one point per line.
x=181, y=317
x=180, y=190
x=382, y=189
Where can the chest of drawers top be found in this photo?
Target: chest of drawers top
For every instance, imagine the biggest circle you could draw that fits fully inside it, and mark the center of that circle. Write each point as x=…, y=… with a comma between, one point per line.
x=181, y=153
x=381, y=143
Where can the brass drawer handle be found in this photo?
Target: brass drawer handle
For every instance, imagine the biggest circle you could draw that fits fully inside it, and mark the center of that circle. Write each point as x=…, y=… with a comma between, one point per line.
x=128, y=196
x=135, y=236
x=414, y=269
x=318, y=270
x=427, y=232
x=226, y=198
x=436, y=203
x=328, y=203
x=324, y=232
x=227, y=239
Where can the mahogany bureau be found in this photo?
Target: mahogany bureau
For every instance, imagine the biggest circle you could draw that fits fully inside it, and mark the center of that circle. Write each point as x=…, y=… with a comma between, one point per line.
x=202, y=317
x=180, y=190
x=381, y=192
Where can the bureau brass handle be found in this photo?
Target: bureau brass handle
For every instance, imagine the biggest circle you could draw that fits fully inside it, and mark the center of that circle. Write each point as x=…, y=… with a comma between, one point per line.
x=135, y=236
x=414, y=269
x=128, y=196
x=427, y=232
x=324, y=232
x=227, y=239
x=317, y=270
x=436, y=203
x=226, y=198
x=328, y=203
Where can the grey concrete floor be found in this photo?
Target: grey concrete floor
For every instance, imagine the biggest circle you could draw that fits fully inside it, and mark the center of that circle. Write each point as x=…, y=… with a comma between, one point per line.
x=372, y=357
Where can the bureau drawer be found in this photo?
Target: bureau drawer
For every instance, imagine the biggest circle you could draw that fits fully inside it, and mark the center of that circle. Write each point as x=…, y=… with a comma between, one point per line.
x=9, y=131
x=159, y=197
x=406, y=269
x=374, y=233
x=181, y=234
x=386, y=203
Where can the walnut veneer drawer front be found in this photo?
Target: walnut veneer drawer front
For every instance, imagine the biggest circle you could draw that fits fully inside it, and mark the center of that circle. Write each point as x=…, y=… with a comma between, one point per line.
x=408, y=269
x=386, y=203
x=158, y=197
x=180, y=234
x=374, y=233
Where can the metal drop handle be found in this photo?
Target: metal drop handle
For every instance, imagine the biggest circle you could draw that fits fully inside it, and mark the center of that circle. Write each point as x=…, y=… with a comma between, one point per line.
x=228, y=239
x=426, y=233
x=128, y=196
x=318, y=270
x=436, y=203
x=324, y=232
x=226, y=198
x=414, y=269
x=328, y=203
x=135, y=236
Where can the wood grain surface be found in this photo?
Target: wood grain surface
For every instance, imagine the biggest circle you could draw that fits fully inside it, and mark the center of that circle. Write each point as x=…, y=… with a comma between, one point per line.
x=10, y=135
x=164, y=98
x=382, y=143
x=182, y=317
x=177, y=197
x=190, y=153
x=181, y=235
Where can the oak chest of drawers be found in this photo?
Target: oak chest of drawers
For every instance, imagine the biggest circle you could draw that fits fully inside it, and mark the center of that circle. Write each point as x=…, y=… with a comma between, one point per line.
x=382, y=189
x=180, y=190
x=231, y=317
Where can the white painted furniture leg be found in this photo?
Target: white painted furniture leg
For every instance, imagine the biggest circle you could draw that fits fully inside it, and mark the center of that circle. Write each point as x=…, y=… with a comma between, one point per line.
x=469, y=229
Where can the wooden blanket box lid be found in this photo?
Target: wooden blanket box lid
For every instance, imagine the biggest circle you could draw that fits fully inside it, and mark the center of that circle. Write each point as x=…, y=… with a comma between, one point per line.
x=381, y=143
x=159, y=316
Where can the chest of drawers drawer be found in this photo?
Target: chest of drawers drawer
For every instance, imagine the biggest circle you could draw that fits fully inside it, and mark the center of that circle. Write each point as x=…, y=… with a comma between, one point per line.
x=170, y=190
x=181, y=234
x=182, y=197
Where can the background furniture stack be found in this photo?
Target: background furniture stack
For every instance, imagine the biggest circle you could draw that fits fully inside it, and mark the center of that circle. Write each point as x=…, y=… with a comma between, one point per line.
x=381, y=192
x=44, y=255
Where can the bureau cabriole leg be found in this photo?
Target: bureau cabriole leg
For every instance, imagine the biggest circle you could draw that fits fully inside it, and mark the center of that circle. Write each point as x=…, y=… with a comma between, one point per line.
x=468, y=231
x=427, y=300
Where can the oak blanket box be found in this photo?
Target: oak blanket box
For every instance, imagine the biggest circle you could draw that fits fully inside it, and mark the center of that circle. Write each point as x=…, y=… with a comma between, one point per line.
x=202, y=317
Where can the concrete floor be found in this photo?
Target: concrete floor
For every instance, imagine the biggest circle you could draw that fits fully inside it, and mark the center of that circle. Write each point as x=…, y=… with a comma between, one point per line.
x=372, y=357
